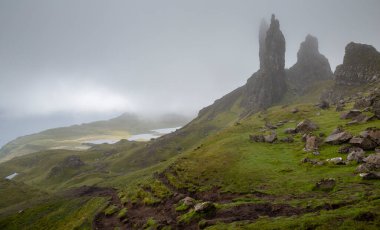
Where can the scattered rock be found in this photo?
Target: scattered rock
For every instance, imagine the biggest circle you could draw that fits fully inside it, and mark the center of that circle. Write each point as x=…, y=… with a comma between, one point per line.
x=311, y=143
x=72, y=162
x=257, y=138
x=205, y=208
x=338, y=138
x=350, y=114
x=338, y=129
x=362, y=103
x=290, y=131
x=270, y=126
x=336, y=161
x=344, y=149
x=373, y=159
x=364, y=168
x=325, y=184
x=373, y=133
x=306, y=126
x=370, y=175
x=339, y=107
x=188, y=201
x=363, y=142
x=357, y=155
x=270, y=138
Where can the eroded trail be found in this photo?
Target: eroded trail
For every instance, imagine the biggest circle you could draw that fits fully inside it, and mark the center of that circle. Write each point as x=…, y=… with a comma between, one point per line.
x=164, y=213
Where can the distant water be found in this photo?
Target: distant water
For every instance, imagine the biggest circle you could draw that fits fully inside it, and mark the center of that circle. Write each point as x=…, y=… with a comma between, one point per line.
x=102, y=141
x=155, y=133
x=10, y=177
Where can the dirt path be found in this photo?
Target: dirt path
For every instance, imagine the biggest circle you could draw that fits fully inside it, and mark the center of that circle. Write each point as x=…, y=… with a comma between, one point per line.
x=164, y=213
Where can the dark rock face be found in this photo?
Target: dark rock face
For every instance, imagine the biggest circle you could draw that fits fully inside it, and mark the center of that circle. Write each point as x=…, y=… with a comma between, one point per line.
x=262, y=35
x=267, y=86
x=311, y=66
x=361, y=65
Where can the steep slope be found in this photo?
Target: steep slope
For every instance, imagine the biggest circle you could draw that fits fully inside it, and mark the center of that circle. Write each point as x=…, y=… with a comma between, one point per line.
x=74, y=136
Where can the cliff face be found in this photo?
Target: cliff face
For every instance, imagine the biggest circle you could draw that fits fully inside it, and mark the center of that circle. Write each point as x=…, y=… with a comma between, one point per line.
x=311, y=66
x=267, y=86
x=361, y=65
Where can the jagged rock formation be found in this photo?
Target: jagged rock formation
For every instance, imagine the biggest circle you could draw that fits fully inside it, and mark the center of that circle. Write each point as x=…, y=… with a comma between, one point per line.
x=361, y=65
x=267, y=86
x=359, y=73
x=311, y=66
x=262, y=35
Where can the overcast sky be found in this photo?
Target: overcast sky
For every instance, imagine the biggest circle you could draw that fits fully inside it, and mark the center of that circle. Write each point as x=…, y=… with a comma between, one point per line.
x=76, y=61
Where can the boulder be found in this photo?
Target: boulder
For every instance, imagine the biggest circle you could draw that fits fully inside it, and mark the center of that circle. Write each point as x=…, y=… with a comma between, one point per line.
x=373, y=159
x=339, y=107
x=350, y=114
x=306, y=126
x=362, y=103
x=188, y=201
x=205, y=207
x=311, y=143
x=344, y=149
x=338, y=138
x=365, y=168
x=373, y=133
x=270, y=138
x=257, y=138
x=290, y=131
x=363, y=142
x=336, y=161
x=370, y=175
x=357, y=155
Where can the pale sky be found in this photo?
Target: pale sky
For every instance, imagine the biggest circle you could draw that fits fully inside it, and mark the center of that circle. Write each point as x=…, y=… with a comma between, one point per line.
x=70, y=61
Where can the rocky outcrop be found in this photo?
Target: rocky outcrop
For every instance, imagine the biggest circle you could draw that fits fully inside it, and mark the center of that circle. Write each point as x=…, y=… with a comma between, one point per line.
x=267, y=86
x=361, y=65
x=311, y=66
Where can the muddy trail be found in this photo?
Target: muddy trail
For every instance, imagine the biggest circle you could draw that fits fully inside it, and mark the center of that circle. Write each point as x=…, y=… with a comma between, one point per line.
x=164, y=213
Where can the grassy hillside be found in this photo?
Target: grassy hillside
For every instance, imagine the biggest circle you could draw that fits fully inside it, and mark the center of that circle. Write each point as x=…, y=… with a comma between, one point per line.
x=73, y=137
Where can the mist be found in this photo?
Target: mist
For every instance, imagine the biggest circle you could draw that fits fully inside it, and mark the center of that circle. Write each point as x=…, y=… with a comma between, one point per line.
x=67, y=62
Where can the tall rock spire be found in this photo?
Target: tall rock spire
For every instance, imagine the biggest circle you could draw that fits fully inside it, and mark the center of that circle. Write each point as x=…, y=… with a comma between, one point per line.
x=262, y=35
x=267, y=86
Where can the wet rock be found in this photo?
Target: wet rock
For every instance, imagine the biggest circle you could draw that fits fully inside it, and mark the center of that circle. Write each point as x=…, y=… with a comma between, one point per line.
x=357, y=155
x=325, y=184
x=257, y=138
x=363, y=142
x=336, y=161
x=338, y=138
x=306, y=126
x=205, y=208
x=270, y=138
x=350, y=114
x=370, y=175
x=311, y=143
